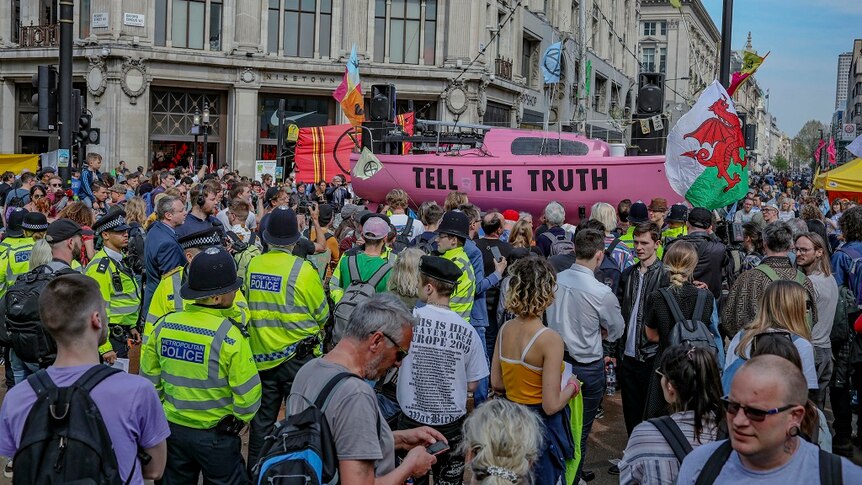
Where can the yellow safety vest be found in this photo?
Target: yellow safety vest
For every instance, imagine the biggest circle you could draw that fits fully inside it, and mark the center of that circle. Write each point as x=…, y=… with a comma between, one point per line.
x=167, y=299
x=287, y=305
x=202, y=368
x=461, y=301
x=14, y=260
x=669, y=235
x=119, y=289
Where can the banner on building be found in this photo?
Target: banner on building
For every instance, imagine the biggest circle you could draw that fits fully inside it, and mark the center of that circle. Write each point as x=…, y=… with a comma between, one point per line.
x=263, y=167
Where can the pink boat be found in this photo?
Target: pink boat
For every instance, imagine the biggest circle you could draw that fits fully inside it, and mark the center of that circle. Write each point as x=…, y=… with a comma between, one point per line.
x=521, y=170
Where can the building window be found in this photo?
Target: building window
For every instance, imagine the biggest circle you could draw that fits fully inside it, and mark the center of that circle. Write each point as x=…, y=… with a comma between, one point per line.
x=304, y=23
x=648, y=59
x=187, y=25
x=429, y=47
x=404, y=40
x=662, y=28
x=662, y=60
x=527, y=47
x=379, y=30
x=308, y=111
x=496, y=114
x=649, y=28
x=215, y=24
x=84, y=20
x=171, y=118
x=161, y=32
x=600, y=94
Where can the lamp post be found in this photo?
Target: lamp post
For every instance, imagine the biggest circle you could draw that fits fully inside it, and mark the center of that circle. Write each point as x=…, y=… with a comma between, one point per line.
x=205, y=120
x=196, y=130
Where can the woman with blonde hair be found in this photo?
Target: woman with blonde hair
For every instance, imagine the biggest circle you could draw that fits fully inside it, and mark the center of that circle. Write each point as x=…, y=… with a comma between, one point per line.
x=522, y=236
x=783, y=310
x=404, y=280
x=679, y=263
x=527, y=363
x=501, y=443
x=454, y=200
x=136, y=211
x=607, y=215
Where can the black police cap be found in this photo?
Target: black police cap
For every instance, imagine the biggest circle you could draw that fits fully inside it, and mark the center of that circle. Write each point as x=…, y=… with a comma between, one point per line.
x=440, y=269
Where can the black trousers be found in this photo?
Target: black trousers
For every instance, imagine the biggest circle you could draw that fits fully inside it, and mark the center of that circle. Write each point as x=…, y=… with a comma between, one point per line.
x=216, y=455
x=7, y=367
x=449, y=469
x=634, y=379
x=275, y=386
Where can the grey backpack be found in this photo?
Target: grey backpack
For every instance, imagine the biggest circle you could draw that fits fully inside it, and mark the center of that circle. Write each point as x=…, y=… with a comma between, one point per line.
x=356, y=293
x=689, y=330
x=564, y=244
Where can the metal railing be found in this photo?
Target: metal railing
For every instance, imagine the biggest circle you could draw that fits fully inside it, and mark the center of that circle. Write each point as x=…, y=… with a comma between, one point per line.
x=39, y=36
x=503, y=68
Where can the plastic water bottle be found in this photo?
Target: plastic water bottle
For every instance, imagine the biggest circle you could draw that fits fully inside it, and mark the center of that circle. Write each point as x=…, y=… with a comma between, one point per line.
x=610, y=379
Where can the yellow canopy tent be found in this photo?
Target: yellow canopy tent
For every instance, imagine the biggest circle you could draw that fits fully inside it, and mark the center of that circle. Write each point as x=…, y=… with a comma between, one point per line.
x=842, y=182
x=17, y=163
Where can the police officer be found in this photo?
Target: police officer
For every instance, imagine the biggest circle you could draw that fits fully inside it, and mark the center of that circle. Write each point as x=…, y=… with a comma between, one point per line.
x=14, y=250
x=35, y=224
x=117, y=283
x=452, y=233
x=288, y=311
x=167, y=297
x=675, y=224
x=202, y=367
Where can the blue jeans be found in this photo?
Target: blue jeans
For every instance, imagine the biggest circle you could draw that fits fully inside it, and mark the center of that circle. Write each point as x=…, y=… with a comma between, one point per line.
x=480, y=394
x=20, y=369
x=593, y=389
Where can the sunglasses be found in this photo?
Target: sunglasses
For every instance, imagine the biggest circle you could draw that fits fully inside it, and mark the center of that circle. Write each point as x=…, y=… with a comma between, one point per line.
x=401, y=353
x=753, y=414
x=38, y=196
x=56, y=185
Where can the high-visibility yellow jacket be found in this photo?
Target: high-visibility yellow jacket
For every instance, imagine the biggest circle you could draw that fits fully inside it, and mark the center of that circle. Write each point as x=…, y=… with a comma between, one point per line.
x=202, y=368
x=119, y=289
x=461, y=301
x=14, y=260
x=167, y=299
x=287, y=305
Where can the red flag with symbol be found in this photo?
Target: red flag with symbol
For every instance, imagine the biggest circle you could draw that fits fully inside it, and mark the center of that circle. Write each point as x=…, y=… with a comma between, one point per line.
x=406, y=122
x=317, y=157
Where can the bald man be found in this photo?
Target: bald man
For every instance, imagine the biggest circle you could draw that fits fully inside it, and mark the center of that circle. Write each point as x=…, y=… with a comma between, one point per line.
x=765, y=409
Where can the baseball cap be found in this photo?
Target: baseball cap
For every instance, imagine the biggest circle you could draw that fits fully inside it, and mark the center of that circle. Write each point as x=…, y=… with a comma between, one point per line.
x=700, y=218
x=63, y=229
x=511, y=215
x=375, y=228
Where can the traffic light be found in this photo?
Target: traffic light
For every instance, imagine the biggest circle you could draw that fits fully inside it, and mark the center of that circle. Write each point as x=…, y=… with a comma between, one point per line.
x=45, y=82
x=86, y=133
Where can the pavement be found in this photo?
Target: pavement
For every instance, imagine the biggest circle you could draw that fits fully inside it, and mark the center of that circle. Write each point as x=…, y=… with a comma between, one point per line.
x=607, y=441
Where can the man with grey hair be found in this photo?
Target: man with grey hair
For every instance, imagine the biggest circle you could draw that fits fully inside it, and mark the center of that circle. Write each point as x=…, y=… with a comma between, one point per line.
x=376, y=338
x=162, y=253
x=744, y=297
x=555, y=240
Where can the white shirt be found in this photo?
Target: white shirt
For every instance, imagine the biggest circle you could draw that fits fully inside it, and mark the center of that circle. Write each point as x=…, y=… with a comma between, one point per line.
x=400, y=220
x=582, y=308
x=806, y=353
x=445, y=355
x=249, y=221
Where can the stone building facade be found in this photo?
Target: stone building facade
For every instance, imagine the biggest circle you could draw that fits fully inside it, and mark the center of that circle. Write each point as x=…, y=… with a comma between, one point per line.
x=145, y=66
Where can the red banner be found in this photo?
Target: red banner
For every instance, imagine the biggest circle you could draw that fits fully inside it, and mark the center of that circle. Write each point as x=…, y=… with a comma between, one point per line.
x=315, y=155
x=406, y=121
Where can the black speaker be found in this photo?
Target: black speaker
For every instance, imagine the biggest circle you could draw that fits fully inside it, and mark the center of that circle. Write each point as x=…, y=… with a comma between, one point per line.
x=750, y=134
x=650, y=93
x=382, y=106
x=652, y=143
x=375, y=131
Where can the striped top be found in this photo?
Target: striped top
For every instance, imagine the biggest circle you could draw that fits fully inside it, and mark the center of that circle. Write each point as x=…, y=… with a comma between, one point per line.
x=648, y=459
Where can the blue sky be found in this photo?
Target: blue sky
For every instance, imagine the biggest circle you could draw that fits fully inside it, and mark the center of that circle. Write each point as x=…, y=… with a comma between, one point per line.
x=805, y=38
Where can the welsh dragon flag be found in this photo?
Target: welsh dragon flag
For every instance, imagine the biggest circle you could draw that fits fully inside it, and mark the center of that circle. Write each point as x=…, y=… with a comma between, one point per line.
x=705, y=159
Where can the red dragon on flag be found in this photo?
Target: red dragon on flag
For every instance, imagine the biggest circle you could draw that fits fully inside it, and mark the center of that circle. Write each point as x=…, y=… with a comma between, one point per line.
x=723, y=134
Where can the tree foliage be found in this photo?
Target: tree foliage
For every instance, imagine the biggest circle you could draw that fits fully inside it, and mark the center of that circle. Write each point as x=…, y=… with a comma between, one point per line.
x=805, y=142
x=779, y=163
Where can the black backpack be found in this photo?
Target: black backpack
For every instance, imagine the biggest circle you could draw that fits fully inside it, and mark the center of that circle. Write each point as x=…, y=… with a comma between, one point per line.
x=609, y=271
x=20, y=314
x=428, y=246
x=692, y=331
x=829, y=464
x=135, y=250
x=64, y=438
x=301, y=448
x=402, y=239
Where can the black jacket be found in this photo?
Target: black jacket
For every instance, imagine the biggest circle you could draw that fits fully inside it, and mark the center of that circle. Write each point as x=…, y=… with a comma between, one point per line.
x=712, y=259
x=654, y=278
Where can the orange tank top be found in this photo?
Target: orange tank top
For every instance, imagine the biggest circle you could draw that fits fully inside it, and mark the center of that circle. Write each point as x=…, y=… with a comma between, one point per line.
x=523, y=382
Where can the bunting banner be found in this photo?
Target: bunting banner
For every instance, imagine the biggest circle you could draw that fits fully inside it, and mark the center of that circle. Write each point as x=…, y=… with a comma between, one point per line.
x=750, y=63
x=406, y=121
x=315, y=156
x=349, y=92
x=705, y=159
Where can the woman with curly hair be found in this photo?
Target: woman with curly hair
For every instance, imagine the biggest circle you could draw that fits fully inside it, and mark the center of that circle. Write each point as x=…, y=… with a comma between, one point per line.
x=83, y=215
x=528, y=362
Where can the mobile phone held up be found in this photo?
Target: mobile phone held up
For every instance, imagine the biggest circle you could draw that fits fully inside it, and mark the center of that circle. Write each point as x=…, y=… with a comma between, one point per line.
x=495, y=252
x=437, y=448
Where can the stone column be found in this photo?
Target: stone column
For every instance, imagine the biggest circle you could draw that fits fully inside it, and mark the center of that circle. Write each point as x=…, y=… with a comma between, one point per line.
x=459, y=14
x=247, y=28
x=5, y=23
x=354, y=21
x=245, y=120
x=8, y=116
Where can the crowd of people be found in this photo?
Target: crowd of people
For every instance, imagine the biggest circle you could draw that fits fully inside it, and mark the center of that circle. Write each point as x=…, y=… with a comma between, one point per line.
x=446, y=341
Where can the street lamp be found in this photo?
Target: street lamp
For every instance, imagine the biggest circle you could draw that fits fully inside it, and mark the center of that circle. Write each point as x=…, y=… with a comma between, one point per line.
x=196, y=130
x=205, y=119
